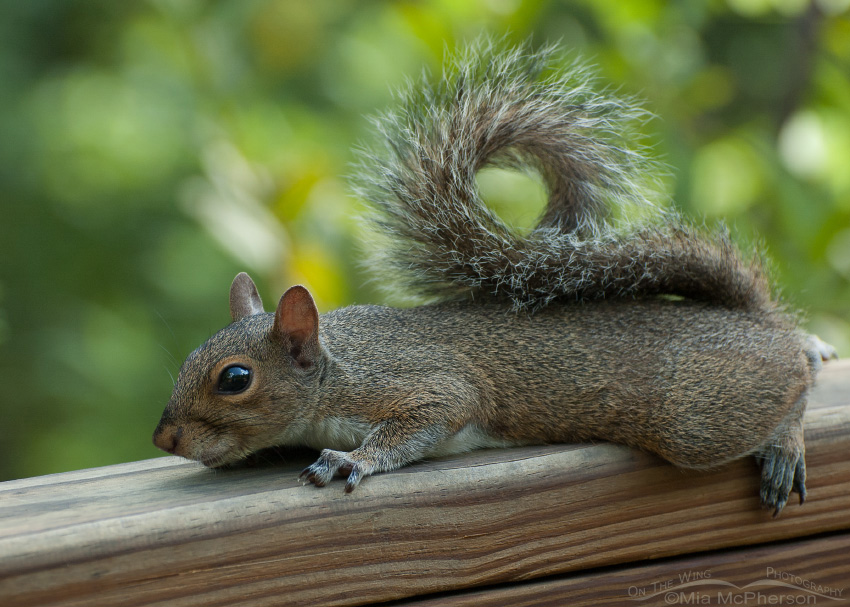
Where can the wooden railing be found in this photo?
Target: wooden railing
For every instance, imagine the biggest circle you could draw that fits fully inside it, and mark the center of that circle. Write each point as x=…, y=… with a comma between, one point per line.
x=571, y=525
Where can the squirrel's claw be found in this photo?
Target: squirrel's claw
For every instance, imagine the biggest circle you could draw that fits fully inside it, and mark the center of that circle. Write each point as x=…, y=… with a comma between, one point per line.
x=316, y=474
x=353, y=479
x=800, y=479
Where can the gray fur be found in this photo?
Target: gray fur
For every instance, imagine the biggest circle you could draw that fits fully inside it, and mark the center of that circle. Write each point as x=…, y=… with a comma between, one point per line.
x=515, y=108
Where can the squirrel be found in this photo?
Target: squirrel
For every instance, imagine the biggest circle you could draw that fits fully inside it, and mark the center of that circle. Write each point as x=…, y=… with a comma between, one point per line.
x=646, y=332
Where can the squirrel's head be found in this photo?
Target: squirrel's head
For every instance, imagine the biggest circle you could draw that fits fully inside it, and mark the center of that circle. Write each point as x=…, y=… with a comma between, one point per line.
x=251, y=384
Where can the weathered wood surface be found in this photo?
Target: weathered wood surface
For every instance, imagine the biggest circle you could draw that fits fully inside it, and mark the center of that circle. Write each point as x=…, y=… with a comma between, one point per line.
x=810, y=571
x=168, y=532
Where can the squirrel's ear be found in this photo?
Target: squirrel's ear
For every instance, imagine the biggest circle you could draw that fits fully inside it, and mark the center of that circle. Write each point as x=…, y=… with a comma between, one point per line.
x=244, y=298
x=297, y=322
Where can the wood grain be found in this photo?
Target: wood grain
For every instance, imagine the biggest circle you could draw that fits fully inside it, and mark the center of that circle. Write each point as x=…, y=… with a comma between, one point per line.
x=807, y=571
x=169, y=532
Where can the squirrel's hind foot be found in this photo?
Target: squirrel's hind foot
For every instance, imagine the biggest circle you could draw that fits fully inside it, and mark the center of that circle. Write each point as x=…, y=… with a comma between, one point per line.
x=783, y=470
x=783, y=461
x=819, y=352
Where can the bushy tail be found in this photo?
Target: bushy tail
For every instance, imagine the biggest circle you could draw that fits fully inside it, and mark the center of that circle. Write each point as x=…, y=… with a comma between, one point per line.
x=514, y=109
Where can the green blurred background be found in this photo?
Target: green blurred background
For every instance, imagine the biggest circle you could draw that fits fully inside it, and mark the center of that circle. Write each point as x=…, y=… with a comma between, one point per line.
x=151, y=150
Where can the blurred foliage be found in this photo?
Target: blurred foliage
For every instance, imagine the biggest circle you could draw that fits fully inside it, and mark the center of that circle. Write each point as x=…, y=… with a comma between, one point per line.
x=151, y=150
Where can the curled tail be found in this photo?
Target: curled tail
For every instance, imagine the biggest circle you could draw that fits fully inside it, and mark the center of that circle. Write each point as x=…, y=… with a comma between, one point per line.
x=514, y=109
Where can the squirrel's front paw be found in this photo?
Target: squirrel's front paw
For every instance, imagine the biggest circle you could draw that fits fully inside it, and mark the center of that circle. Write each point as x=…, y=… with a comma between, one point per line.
x=332, y=462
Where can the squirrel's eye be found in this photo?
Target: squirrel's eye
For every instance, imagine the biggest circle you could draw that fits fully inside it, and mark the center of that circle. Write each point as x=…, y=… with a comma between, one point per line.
x=234, y=379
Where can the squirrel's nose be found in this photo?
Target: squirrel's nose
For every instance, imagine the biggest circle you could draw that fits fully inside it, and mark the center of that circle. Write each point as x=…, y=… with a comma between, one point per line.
x=167, y=438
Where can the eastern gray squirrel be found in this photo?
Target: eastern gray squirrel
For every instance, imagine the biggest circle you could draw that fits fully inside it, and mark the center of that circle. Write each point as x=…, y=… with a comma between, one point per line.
x=648, y=332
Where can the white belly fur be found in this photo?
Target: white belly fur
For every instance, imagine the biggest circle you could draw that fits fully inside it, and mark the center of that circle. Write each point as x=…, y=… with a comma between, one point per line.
x=470, y=437
x=338, y=433
x=345, y=434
